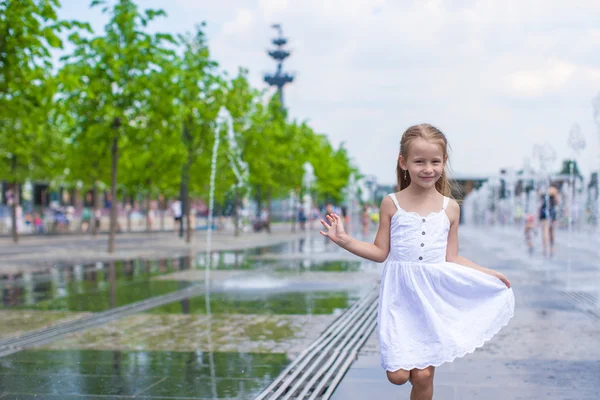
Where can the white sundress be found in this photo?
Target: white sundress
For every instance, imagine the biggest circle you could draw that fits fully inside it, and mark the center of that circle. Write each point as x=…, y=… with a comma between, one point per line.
x=432, y=311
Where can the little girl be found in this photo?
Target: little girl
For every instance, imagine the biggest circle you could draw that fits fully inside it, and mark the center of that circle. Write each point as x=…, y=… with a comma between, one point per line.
x=530, y=232
x=434, y=305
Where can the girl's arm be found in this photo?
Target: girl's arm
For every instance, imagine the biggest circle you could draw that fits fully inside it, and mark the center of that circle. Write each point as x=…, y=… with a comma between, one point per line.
x=453, y=211
x=377, y=251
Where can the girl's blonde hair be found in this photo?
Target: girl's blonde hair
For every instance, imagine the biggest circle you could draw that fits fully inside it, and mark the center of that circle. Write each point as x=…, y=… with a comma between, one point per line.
x=432, y=134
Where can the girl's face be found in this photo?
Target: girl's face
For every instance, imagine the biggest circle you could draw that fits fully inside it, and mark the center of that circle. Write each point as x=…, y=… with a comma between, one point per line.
x=425, y=162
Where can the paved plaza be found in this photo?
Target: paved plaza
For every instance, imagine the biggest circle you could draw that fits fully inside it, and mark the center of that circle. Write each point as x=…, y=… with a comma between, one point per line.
x=550, y=350
x=267, y=298
x=42, y=251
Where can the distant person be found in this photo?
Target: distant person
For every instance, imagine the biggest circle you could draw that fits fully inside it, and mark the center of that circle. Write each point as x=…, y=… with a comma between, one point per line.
x=86, y=217
x=530, y=230
x=434, y=305
x=38, y=223
x=177, y=211
x=548, y=215
x=302, y=218
x=98, y=219
x=346, y=217
x=365, y=220
x=329, y=209
x=265, y=219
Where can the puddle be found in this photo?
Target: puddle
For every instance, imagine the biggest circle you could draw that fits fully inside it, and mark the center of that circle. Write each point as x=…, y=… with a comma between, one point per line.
x=305, y=303
x=61, y=283
x=84, y=299
x=126, y=373
x=51, y=288
x=322, y=266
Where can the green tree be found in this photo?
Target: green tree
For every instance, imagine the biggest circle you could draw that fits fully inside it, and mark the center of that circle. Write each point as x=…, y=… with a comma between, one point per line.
x=264, y=148
x=240, y=101
x=198, y=94
x=332, y=169
x=116, y=66
x=81, y=107
x=28, y=30
x=153, y=165
x=566, y=168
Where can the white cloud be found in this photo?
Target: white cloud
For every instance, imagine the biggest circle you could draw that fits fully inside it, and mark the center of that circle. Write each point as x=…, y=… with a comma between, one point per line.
x=497, y=77
x=538, y=82
x=242, y=24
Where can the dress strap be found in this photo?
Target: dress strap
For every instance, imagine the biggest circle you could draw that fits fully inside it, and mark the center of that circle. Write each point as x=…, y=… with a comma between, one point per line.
x=446, y=201
x=393, y=196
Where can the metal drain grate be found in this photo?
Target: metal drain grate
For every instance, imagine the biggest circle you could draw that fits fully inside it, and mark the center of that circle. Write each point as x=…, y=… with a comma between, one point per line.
x=584, y=301
x=315, y=374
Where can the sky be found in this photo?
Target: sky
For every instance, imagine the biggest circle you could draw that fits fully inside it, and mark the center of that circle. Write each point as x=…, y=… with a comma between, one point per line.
x=497, y=77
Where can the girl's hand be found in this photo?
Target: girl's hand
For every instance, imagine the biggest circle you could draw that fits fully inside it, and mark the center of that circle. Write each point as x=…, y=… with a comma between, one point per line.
x=334, y=228
x=503, y=278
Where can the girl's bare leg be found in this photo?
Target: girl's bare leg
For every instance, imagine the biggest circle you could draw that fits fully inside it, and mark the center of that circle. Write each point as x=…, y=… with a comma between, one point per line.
x=399, y=377
x=422, y=381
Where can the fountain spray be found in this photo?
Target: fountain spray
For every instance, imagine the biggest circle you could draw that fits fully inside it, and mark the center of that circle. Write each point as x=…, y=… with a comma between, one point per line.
x=576, y=143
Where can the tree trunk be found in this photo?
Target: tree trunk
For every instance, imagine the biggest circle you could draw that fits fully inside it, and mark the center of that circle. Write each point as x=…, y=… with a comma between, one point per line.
x=15, y=203
x=113, y=194
x=148, y=220
x=182, y=199
x=94, y=207
x=185, y=178
x=188, y=219
x=162, y=216
x=258, y=200
x=294, y=213
x=269, y=204
x=112, y=279
x=129, y=218
x=128, y=205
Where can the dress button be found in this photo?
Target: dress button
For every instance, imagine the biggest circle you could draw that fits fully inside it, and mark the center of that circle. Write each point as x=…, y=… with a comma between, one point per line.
x=420, y=258
x=422, y=233
x=422, y=244
x=423, y=220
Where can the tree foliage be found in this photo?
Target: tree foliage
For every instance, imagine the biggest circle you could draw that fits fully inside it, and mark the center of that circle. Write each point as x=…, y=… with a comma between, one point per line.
x=138, y=111
x=29, y=29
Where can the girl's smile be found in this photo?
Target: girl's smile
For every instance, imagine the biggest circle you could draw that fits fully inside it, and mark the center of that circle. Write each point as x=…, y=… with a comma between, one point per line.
x=425, y=161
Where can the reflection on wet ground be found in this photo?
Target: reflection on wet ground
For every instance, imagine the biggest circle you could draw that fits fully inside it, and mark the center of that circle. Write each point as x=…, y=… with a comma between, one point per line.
x=308, y=303
x=196, y=375
x=324, y=266
x=102, y=300
x=259, y=308
x=61, y=286
x=99, y=287
x=96, y=280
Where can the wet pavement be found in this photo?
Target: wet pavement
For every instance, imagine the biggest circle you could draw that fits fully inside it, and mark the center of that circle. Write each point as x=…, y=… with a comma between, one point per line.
x=35, y=253
x=264, y=304
x=259, y=309
x=550, y=350
x=143, y=374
